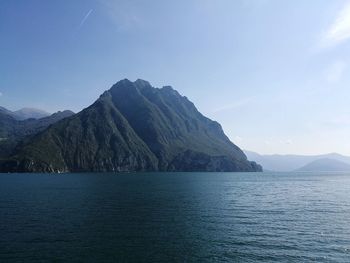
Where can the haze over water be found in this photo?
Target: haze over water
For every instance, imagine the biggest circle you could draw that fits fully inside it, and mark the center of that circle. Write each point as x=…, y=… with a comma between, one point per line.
x=181, y=217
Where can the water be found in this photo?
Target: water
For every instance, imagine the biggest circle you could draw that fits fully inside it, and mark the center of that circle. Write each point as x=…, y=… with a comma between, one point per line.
x=175, y=217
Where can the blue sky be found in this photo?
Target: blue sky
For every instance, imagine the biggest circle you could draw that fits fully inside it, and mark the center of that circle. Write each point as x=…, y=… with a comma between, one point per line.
x=274, y=73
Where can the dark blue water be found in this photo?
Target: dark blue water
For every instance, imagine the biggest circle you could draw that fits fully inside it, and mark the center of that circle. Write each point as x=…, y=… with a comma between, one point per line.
x=175, y=217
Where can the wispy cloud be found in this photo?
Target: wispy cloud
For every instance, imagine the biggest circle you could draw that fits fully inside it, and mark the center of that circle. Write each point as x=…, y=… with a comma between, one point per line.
x=233, y=105
x=0, y=93
x=339, y=30
x=85, y=18
x=335, y=71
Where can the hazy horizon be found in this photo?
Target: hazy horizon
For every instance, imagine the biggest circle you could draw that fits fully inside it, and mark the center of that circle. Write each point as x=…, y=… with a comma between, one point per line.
x=272, y=73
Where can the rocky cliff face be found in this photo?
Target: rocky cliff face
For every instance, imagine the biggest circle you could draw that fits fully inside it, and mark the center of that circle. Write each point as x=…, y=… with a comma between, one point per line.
x=132, y=127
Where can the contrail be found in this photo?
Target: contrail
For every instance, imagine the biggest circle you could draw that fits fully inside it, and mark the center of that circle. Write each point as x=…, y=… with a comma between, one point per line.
x=85, y=18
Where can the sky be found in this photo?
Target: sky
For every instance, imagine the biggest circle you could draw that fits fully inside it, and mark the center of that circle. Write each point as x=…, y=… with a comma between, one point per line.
x=274, y=73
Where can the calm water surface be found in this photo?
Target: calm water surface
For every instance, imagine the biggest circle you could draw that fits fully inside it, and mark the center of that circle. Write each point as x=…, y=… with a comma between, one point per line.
x=175, y=217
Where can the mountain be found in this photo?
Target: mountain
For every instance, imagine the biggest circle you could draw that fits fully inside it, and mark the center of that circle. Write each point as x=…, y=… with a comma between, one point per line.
x=325, y=165
x=10, y=127
x=5, y=111
x=290, y=162
x=30, y=113
x=12, y=130
x=132, y=127
x=25, y=113
x=6, y=122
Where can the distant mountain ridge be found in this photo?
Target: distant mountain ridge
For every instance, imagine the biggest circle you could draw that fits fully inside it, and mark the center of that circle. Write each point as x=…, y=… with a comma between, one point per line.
x=286, y=163
x=25, y=113
x=12, y=131
x=132, y=127
x=325, y=165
